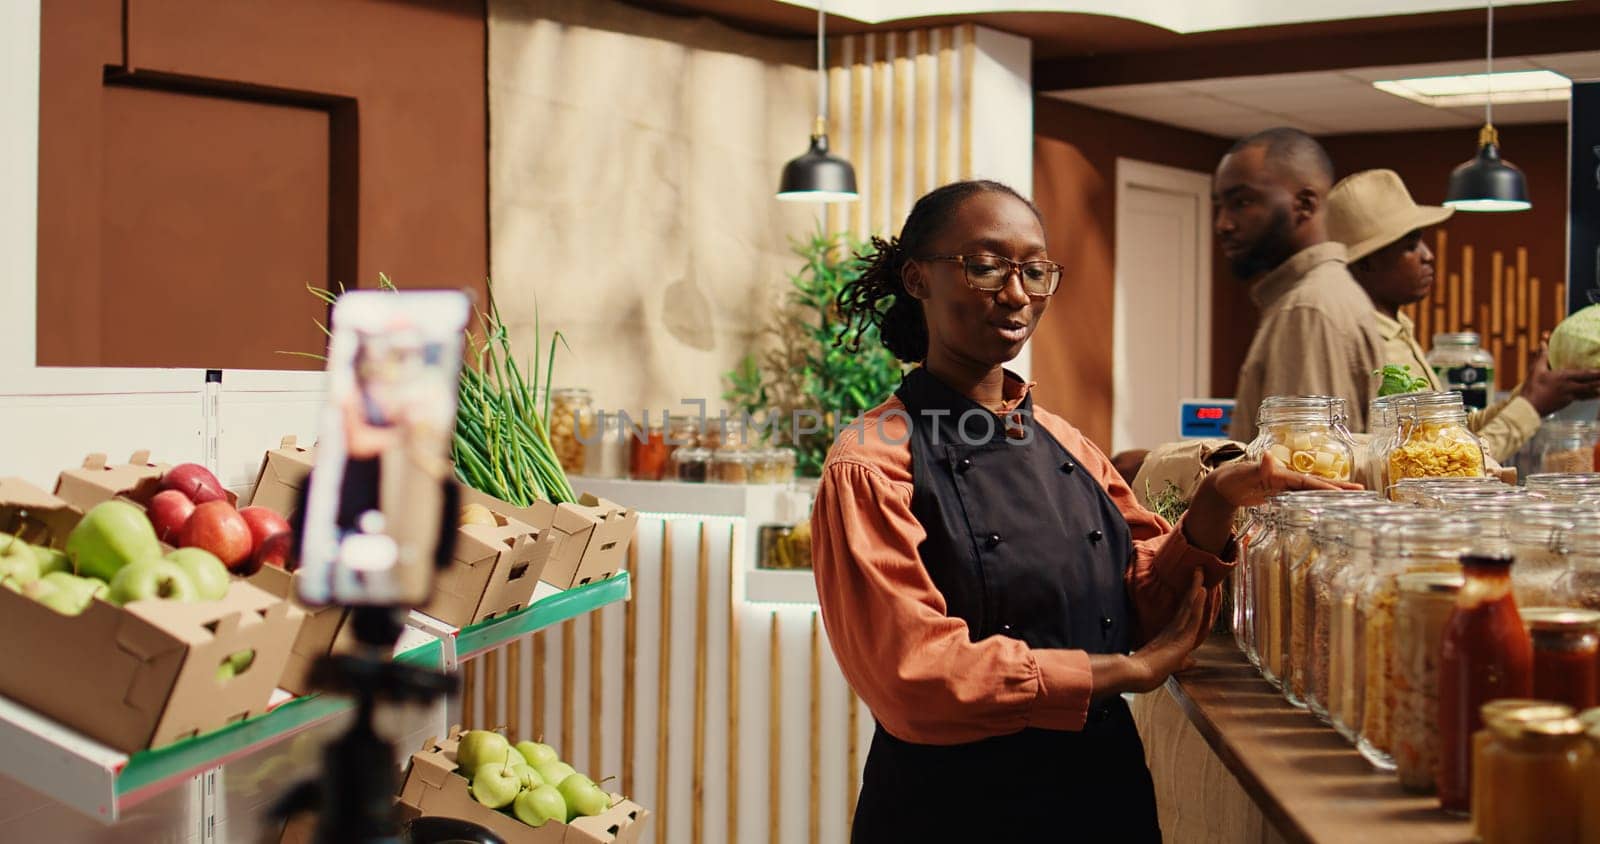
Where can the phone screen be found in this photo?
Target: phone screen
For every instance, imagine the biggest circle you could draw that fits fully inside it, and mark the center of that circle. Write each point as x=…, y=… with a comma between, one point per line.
x=374, y=509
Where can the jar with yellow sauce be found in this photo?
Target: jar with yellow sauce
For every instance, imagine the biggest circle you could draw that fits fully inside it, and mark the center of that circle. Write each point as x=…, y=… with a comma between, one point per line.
x=1515, y=709
x=1533, y=781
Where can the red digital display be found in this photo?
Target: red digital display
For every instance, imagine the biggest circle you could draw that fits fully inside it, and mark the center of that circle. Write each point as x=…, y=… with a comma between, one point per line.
x=1210, y=413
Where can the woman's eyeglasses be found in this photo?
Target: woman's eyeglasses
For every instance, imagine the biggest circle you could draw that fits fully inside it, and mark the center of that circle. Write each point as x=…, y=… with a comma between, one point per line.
x=989, y=273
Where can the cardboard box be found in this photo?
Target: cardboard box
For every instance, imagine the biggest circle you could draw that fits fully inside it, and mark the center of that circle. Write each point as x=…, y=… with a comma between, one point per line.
x=37, y=516
x=592, y=536
x=96, y=481
x=145, y=674
x=433, y=788
x=494, y=570
x=282, y=477
x=324, y=631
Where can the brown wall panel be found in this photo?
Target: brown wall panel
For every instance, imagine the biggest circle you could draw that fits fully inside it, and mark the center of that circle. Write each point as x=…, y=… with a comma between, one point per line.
x=410, y=191
x=213, y=214
x=1074, y=185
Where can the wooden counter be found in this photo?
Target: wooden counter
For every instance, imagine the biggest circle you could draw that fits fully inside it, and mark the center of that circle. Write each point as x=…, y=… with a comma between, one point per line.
x=1308, y=782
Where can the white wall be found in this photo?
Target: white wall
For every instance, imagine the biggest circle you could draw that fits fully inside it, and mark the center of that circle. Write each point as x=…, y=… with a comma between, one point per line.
x=19, y=180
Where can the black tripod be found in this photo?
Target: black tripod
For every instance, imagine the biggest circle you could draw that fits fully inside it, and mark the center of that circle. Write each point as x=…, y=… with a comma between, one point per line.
x=355, y=797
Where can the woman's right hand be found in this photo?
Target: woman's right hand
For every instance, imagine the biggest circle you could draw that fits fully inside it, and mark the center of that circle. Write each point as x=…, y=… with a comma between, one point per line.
x=1167, y=652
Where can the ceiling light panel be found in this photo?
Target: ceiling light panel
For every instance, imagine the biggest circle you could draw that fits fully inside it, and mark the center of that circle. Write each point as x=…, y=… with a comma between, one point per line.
x=1521, y=86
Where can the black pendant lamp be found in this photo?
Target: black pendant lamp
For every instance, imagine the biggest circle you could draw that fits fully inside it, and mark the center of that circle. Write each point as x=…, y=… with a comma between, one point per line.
x=1488, y=182
x=818, y=176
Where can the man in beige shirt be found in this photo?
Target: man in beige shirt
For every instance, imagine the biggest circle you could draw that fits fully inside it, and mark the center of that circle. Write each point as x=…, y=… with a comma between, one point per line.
x=1317, y=336
x=1373, y=214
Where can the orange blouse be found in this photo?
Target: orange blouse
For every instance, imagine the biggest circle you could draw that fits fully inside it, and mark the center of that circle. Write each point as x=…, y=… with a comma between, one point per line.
x=914, y=665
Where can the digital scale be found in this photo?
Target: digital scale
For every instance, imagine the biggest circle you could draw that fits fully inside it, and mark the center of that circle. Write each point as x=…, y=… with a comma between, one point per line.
x=1204, y=418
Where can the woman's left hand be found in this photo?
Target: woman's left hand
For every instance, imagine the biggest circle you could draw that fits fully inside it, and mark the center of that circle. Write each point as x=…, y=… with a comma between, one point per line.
x=1244, y=483
x=1247, y=483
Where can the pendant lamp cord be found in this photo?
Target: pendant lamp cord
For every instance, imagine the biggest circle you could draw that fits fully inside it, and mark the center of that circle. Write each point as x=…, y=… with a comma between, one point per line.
x=1489, y=53
x=822, y=74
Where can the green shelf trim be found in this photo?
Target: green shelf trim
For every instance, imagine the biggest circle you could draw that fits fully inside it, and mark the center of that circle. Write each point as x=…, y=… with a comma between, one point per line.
x=555, y=609
x=147, y=768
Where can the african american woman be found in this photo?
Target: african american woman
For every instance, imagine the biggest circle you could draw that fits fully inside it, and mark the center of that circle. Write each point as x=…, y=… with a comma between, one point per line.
x=989, y=584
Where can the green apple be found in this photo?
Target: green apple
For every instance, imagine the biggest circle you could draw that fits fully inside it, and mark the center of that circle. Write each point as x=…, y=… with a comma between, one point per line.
x=66, y=601
x=209, y=576
x=537, y=754
x=539, y=804
x=235, y=663
x=151, y=577
x=554, y=772
x=51, y=560
x=530, y=777
x=495, y=785
x=88, y=587
x=111, y=535
x=478, y=747
x=583, y=797
x=19, y=566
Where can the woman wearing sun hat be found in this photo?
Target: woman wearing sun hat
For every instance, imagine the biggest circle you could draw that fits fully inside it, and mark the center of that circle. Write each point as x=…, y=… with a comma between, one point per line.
x=1382, y=228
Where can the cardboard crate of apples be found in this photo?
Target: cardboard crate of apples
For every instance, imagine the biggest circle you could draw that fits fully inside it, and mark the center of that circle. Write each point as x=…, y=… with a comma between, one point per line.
x=163, y=642
x=522, y=792
x=592, y=535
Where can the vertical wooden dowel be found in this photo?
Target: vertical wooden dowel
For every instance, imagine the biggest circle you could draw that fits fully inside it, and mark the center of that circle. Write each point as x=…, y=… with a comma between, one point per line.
x=1469, y=286
x=491, y=691
x=1513, y=286
x=1534, y=328
x=857, y=45
x=815, y=760
x=927, y=93
x=630, y=673
x=1522, y=285
x=539, y=685
x=877, y=197
x=597, y=697
x=900, y=159
x=701, y=634
x=569, y=656
x=514, y=692
x=775, y=733
x=969, y=62
x=1452, y=304
x=664, y=686
x=1497, y=297
x=947, y=105
x=734, y=693
x=852, y=752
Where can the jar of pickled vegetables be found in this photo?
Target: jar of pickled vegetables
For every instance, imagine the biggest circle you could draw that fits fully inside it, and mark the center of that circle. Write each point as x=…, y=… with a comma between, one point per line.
x=1433, y=441
x=1305, y=434
x=572, y=427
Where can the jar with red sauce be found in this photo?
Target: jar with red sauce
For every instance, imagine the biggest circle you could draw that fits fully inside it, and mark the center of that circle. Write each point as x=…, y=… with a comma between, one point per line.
x=1566, y=655
x=648, y=451
x=1486, y=654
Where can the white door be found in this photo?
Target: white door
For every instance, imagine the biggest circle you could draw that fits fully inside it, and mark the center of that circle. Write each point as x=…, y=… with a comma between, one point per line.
x=1162, y=329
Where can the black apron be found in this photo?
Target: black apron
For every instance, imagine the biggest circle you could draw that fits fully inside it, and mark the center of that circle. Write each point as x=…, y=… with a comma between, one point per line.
x=1021, y=543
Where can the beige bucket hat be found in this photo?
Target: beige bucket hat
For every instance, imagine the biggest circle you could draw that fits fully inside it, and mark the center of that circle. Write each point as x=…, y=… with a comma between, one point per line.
x=1369, y=210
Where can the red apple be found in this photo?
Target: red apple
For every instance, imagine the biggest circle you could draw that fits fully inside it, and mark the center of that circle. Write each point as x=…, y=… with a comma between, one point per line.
x=276, y=550
x=218, y=528
x=195, y=481
x=169, y=510
x=263, y=522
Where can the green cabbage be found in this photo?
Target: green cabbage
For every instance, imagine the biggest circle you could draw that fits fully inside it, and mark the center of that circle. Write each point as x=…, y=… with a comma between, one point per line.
x=1575, y=344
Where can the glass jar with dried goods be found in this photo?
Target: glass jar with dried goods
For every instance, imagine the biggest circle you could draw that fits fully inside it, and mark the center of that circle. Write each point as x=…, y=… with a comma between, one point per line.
x=1383, y=426
x=1532, y=775
x=1420, y=543
x=1433, y=440
x=1537, y=536
x=1565, y=488
x=1487, y=654
x=1566, y=654
x=1302, y=514
x=1426, y=601
x=1251, y=537
x=731, y=465
x=1520, y=710
x=691, y=464
x=1579, y=585
x=1568, y=445
x=572, y=427
x=1305, y=434
x=1462, y=364
x=1261, y=561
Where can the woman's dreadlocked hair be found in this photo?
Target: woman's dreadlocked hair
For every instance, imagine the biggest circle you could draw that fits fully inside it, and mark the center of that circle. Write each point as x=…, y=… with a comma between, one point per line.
x=900, y=324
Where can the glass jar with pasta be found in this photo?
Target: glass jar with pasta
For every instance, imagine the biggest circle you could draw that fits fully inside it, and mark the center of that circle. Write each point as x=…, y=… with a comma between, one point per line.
x=1305, y=434
x=1433, y=440
x=1426, y=601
